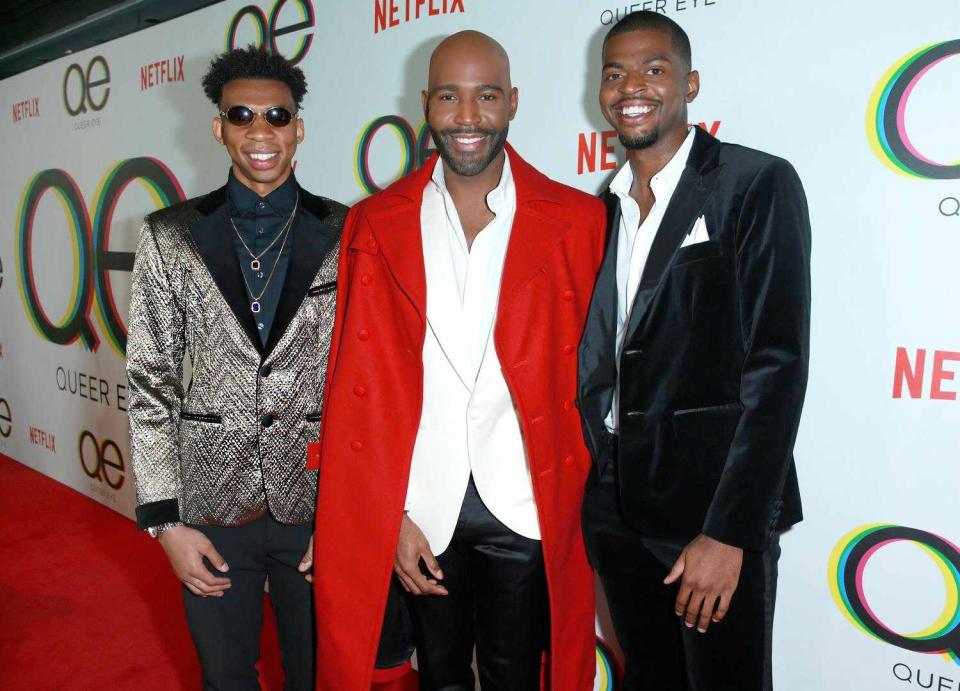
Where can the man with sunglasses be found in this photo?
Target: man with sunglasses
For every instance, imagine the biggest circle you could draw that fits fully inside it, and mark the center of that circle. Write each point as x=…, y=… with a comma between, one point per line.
x=243, y=281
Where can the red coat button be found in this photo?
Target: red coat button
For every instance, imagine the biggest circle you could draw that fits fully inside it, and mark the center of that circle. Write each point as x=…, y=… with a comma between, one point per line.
x=568, y=349
x=567, y=405
x=371, y=244
x=356, y=445
x=359, y=390
x=363, y=335
x=568, y=461
x=366, y=279
x=568, y=295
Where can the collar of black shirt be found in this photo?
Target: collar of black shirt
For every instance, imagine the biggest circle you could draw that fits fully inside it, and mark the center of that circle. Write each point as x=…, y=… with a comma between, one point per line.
x=245, y=201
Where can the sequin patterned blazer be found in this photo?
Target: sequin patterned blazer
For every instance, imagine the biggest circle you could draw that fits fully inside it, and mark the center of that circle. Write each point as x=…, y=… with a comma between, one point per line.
x=231, y=444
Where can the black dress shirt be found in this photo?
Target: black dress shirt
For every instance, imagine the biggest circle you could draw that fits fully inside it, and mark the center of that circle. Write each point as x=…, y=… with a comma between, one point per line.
x=259, y=221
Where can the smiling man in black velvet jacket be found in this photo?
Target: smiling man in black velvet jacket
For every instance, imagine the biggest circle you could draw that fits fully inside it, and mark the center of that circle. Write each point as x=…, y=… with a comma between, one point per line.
x=693, y=368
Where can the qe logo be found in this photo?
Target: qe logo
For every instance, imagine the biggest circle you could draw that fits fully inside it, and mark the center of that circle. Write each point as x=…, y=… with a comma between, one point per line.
x=101, y=461
x=885, y=114
x=414, y=149
x=267, y=30
x=92, y=259
x=77, y=101
x=847, y=564
x=6, y=419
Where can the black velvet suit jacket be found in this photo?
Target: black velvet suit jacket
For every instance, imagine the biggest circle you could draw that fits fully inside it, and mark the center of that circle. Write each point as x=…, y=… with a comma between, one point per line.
x=714, y=362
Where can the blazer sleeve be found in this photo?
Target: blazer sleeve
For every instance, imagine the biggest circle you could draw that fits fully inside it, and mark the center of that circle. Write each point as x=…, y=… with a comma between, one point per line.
x=155, y=350
x=773, y=284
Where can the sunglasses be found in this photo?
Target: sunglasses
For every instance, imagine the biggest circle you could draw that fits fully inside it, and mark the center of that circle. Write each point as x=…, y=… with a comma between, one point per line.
x=241, y=116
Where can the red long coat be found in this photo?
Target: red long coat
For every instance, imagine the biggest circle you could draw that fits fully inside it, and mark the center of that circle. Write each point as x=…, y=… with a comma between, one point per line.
x=374, y=397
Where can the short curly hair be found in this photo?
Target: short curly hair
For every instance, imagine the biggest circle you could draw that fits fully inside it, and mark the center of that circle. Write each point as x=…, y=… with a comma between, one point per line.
x=252, y=63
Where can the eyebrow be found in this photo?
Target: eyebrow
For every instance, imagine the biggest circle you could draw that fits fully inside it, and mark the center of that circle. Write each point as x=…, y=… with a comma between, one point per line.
x=455, y=87
x=645, y=61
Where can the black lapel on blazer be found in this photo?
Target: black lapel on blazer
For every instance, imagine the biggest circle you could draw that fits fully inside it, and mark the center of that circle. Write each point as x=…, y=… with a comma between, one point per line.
x=597, y=356
x=695, y=185
x=311, y=240
x=605, y=293
x=211, y=232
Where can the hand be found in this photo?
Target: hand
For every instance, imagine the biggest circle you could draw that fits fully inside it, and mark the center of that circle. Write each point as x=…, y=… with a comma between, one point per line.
x=411, y=547
x=307, y=562
x=711, y=571
x=186, y=548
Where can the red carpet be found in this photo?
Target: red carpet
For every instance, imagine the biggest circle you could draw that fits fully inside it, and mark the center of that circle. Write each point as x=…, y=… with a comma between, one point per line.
x=88, y=602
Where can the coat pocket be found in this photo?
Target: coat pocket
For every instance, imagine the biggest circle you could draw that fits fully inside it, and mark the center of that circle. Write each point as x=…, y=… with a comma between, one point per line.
x=692, y=253
x=322, y=288
x=201, y=417
x=702, y=438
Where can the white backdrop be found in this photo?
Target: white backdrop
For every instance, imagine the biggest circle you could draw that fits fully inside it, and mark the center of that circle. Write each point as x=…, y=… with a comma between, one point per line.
x=879, y=440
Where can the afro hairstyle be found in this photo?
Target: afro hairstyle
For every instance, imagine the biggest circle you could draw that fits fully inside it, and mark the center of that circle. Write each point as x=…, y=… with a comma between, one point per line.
x=252, y=63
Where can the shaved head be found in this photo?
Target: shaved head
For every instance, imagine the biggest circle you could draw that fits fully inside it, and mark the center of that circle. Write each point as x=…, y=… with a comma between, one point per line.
x=469, y=101
x=467, y=47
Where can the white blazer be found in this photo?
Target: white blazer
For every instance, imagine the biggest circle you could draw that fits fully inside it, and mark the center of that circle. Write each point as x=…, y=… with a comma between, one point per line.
x=468, y=422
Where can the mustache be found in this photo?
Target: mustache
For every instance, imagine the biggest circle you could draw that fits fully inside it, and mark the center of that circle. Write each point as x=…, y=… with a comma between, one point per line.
x=467, y=131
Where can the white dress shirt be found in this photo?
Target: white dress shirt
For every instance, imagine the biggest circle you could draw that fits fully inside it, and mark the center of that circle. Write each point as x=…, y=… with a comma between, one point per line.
x=634, y=240
x=468, y=423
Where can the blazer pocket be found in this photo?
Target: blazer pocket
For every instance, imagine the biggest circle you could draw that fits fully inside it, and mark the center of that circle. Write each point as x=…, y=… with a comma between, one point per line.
x=721, y=409
x=322, y=288
x=201, y=417
x=702, y=250
x=312, y=417
x=702, y=437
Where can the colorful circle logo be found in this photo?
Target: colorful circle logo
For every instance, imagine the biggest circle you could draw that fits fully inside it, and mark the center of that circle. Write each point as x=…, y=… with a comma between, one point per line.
x=847, y=563
x=885, y=114
x=92, y=259
x=415, y=149
x=608, y=674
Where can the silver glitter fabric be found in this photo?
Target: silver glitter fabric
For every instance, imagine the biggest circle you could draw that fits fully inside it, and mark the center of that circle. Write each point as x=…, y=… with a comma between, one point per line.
x=206, y=447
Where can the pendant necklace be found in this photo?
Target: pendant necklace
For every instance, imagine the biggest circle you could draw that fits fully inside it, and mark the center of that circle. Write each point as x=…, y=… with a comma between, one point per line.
x=255, y=299
x=255, y=258
x=255, y=305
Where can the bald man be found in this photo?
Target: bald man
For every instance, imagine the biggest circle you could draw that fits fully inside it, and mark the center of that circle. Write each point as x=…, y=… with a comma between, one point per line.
x=452, y=457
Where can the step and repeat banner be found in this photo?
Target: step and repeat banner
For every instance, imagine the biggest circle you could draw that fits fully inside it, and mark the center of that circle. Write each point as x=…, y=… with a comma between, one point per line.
x=861, y=97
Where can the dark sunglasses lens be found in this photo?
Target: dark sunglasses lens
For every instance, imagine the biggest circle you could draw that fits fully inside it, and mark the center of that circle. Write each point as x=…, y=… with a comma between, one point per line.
x=278, y=117
x=240, y=115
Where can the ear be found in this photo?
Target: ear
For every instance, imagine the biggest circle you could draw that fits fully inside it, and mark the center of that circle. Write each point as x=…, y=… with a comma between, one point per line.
x=693, y=86
x=424, y=100
x=300, y=130
x=218, y=129
x=514, y=101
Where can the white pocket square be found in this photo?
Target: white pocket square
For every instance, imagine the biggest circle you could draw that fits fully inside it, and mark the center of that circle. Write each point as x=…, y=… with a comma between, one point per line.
x=698, y=234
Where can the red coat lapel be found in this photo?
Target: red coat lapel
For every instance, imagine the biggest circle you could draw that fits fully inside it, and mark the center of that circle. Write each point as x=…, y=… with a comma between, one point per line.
x=536, y=231
x=395, y=231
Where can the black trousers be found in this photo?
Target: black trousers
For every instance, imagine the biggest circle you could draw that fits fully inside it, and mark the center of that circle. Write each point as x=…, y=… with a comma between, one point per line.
x=662, y=654
x=497, y=600
x=226, y=630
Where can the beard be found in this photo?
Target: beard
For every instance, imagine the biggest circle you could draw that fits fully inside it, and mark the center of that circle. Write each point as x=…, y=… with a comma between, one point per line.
x=470, y=164
x=643, y=141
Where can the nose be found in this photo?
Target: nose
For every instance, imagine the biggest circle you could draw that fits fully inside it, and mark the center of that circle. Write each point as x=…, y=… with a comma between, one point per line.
x=633, y=82
x=468, y=112
x=259, y=129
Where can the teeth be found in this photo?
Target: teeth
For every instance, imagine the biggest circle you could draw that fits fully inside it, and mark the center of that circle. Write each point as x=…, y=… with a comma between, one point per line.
x=262, y=157
x=468, y=140
x=631, y=111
